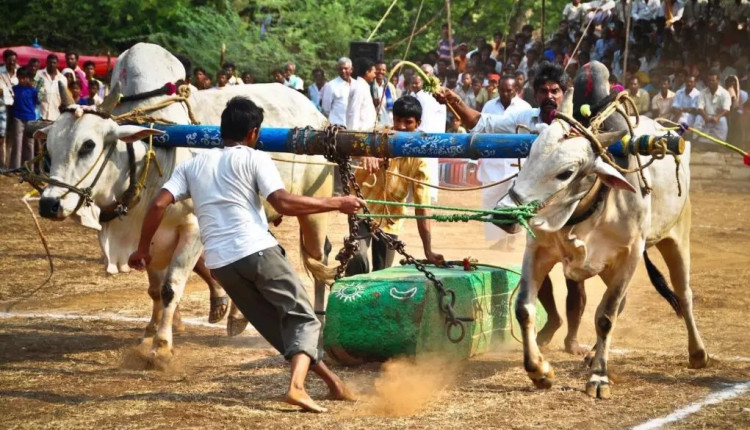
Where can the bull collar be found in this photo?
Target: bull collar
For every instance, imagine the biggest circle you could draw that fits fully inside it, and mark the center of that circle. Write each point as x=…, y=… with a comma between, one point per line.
x=589, y=203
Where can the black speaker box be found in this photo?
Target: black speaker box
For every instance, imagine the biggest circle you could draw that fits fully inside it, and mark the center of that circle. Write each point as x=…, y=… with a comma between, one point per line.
x=372, y=50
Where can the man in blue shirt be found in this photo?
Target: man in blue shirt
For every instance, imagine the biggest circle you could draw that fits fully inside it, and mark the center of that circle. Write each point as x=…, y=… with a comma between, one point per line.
x=23, y=110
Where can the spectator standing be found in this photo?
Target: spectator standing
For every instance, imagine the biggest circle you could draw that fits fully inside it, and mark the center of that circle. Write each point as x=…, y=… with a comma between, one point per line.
x=444, y=45
x=498, y=47
x=713, y=105
x=8, y=79
x=247, y=78
x=314, y=91
x=479, y=94
x=278, y=77
x=71, y=60
x=290, y=79
x=384, y=94
x=493, y=80
x=222, y=79
x=231, y=70
x=661, y=103
x=75, y=90
x=465, y=91
x=497, y=169
x=200, y=79
x=89, y=69
x=360, y=110
x=572, y=13
x=335, y=96
x=47, y=83
x=26, y=97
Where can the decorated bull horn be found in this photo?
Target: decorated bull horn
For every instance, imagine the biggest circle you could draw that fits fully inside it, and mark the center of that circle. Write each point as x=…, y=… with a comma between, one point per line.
x=110, y=102
x=610, y=138
x=65, y=98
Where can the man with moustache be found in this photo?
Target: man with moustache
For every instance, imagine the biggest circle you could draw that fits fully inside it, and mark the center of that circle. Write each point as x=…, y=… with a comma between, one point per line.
x=549, y=86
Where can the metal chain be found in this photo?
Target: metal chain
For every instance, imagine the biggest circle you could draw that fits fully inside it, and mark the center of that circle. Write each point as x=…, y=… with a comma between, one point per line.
x=351, y=242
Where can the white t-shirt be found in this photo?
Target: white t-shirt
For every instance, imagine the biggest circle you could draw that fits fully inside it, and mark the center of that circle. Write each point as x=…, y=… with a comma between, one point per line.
x=226, y=186
x=360, y=110
x=497, y=169
x=335, y=99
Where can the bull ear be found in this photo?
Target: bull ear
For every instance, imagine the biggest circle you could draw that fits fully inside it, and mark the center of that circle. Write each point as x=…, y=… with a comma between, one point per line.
x=611, y=177
x=132, y=133
x=41, y=134
x=610, y=138
x=567, y=104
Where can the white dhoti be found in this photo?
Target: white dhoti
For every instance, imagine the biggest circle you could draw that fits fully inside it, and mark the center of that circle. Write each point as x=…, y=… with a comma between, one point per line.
x=718, y=129
x=493, y=170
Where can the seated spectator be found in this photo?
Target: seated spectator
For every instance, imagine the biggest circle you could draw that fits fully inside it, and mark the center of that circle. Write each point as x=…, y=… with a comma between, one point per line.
x=685, y=104
x=661, y=103
x=714, y=104
x=639, y=96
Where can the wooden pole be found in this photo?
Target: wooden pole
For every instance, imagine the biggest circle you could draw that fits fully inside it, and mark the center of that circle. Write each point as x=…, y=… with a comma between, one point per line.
x=381, y=20
x=450, y=32
x=628, y=8
x=414, y=27
x=544, y=4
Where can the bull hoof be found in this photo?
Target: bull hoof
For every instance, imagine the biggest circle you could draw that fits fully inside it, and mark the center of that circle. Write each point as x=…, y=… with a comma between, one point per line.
x=573, y=347
x=178, y=328
x=235, y=326
x=112, y=269
x=124, y=268
x=699, y=359
x=544, y=337
x=598, y=387
x=544, y=377
x=161, y=355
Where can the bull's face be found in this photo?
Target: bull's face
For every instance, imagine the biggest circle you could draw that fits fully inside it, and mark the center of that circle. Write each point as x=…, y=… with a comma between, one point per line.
x=558, y=173
x=78, y=148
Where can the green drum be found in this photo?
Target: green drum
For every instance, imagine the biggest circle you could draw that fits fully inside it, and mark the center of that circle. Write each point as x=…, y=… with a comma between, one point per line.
x=395, y=312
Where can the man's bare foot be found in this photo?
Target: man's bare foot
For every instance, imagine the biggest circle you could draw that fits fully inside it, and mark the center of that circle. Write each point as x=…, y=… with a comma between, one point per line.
x=572, y=347
x=341, y=393
x=300, y=398
x=544, y=337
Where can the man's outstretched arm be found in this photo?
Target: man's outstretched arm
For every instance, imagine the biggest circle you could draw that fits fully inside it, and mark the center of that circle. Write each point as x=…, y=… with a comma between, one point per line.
x=141, y=258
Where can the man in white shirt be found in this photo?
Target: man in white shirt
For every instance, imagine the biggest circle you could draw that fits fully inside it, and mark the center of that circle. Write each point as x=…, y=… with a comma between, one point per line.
x=360, y=110
x=572, y=13
x=47, y=82
x=335, y=96
x=8, y=79
x=685, y=104
x=226, y=186
x=497, y=169
x=290, y=79
x=315, y=91
x=661, y=103
x=434, y=117
x=384, y=94
x=549, y=84
x=713, y=105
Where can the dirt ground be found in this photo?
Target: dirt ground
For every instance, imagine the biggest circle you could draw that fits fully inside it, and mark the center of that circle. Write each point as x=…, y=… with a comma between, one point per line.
x=65, y=369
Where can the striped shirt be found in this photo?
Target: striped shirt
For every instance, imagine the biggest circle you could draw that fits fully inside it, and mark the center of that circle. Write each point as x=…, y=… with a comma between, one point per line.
x=395, y=189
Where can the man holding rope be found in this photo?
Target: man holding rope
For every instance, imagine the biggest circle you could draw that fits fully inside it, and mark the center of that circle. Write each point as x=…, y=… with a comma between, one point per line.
x=379, y=184
x=549, y=86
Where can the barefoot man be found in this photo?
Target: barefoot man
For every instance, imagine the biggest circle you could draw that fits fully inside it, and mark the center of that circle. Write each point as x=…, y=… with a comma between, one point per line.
x=226, y=186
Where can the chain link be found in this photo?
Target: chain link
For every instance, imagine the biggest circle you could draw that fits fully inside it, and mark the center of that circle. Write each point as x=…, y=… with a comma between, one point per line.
x=351, y=242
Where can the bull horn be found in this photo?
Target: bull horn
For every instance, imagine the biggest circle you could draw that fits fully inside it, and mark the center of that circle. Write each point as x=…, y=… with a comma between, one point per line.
x=566, y=106
x=111, y=100
x=32, y=127
x=610, y=138
x=65, y=98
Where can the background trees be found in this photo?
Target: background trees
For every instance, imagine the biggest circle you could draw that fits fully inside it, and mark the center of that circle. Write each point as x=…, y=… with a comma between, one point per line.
x=259, y=35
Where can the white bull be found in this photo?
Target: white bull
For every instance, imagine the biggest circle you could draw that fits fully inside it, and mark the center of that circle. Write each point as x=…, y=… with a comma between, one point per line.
x=74, y=144
x=601, y=233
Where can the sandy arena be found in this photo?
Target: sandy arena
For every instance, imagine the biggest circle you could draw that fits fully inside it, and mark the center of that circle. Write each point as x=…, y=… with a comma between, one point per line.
x=64, y=349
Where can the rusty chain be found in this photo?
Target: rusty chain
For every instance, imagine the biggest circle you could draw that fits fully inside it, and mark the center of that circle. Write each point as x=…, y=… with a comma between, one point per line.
x=446, y=296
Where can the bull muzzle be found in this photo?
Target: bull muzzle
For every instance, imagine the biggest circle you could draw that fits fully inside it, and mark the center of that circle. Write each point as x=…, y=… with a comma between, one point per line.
x=51, y=208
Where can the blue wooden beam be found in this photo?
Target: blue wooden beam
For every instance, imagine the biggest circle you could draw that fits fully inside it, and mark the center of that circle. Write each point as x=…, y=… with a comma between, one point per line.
x=377, y=144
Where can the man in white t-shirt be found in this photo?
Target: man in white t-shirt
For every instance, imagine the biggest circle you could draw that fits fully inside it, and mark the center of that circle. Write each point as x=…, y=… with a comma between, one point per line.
x=685, y=103
x=226, y=186
x=360, y=109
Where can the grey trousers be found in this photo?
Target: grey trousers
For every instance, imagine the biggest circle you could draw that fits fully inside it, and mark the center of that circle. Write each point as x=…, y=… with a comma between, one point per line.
x=269, y=293
x=21, y=148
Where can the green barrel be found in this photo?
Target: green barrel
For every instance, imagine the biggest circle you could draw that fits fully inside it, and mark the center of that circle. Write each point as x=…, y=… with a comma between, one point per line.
x=395, y=312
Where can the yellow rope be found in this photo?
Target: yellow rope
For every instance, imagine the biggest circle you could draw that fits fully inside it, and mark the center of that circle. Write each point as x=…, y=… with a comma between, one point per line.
x=706, y=135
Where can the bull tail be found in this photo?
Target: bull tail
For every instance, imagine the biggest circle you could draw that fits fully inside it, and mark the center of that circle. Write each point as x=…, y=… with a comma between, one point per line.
x=660, y=283
x=315, y=268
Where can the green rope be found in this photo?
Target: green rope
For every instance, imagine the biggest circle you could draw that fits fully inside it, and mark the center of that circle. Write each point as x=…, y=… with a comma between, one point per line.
x=518, y=214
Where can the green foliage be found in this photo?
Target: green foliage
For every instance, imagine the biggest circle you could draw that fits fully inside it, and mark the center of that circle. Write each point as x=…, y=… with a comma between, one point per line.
x=311, y=33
